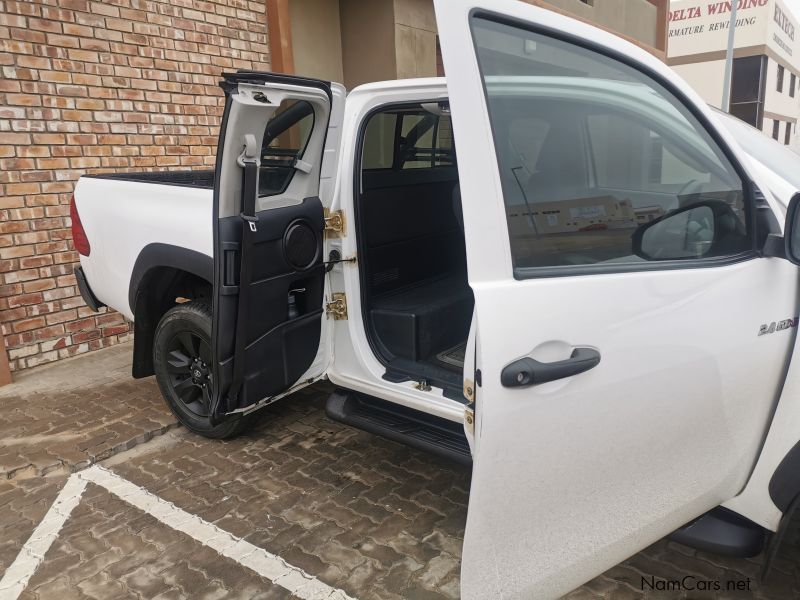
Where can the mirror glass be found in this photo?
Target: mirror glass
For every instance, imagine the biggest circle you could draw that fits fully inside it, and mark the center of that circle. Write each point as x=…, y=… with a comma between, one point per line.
x=686, y=234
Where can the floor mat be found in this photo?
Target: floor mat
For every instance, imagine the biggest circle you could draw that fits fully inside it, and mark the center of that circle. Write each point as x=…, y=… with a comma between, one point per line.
x=453, y=356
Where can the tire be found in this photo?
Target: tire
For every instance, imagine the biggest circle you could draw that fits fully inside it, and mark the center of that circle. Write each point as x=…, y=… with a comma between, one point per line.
x=182, y=362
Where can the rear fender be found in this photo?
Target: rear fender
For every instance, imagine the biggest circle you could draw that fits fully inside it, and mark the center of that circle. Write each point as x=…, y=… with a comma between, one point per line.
x=161, y=274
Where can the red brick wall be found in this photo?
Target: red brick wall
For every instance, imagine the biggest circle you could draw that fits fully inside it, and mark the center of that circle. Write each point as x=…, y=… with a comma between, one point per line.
x=90, y=87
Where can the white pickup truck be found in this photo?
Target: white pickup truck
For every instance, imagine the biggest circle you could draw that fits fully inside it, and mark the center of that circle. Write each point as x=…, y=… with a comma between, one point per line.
x=559, y=265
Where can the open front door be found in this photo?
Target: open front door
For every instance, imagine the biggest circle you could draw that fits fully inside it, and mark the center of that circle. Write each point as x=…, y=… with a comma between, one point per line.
x=275, y=166
x=612, y=235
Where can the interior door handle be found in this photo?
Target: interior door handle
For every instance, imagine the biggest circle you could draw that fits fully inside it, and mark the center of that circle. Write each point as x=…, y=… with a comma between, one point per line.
x=527, y=371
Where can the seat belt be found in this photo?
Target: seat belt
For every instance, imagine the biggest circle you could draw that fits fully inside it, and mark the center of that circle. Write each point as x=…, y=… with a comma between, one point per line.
x=249, y=160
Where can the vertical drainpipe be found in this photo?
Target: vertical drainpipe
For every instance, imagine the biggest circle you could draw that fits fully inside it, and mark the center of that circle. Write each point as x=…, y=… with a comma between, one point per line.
x=5, y=371
x=726, y=85
x=662, y=25
x=279, y=32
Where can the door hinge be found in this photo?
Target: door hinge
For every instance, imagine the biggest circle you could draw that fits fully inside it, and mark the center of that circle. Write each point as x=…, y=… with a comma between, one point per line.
x=469, y=420
x=337, y=306
x=334, y=222
x=469, y=391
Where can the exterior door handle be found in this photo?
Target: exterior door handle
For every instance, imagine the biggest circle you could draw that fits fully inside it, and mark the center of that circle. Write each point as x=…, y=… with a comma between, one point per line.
x=527, y=371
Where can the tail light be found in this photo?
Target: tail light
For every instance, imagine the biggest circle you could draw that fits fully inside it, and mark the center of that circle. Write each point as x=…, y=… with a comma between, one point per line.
x=79, y=239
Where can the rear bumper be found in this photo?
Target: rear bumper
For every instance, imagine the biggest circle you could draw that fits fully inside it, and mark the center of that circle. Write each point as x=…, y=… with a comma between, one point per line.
x=86, y=292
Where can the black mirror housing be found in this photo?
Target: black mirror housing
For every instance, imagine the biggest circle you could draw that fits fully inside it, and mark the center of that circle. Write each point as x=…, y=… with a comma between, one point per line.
x=791, y=233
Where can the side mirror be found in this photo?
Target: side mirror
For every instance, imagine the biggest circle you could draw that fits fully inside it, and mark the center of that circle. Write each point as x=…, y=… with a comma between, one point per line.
x=791, y=233
x=697, y=230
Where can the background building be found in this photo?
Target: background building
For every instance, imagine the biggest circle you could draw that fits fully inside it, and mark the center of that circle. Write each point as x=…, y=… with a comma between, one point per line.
x=357, y=41
x=765, y=83
x=96, y=86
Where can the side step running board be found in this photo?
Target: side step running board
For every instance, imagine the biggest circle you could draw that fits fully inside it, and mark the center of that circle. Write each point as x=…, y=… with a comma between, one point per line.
x=407, y=426
x=721, y=531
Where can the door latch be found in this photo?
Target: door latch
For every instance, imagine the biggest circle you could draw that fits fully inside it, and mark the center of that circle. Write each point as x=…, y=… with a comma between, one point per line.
x=337, y=307
x=335, y=258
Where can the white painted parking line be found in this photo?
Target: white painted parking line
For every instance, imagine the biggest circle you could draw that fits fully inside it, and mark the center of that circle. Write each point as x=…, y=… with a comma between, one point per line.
x=16, y=577
x=266, y=564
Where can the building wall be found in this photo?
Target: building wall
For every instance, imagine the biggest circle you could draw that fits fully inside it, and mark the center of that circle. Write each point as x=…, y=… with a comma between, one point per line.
x=415, y=38
x=316, y=39
x=706, y=78
x=95, y=87
x=368, y=43
x=635, y=18
x=399, y=36
x=698, y=40
x=701, y=27
x=782, y=102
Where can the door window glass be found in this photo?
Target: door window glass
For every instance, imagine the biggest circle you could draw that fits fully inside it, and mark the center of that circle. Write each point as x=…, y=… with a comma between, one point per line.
x=592, y=151
x=285, y=139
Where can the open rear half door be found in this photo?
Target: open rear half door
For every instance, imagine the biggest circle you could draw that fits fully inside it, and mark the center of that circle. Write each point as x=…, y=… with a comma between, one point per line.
x=275, y=167
x=613, y=250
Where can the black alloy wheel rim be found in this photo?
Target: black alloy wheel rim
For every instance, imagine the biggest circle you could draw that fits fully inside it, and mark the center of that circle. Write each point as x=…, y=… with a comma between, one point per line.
x=189, y=370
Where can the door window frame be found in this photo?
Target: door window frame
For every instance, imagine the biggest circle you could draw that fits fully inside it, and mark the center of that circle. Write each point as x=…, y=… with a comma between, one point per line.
x=748, y=186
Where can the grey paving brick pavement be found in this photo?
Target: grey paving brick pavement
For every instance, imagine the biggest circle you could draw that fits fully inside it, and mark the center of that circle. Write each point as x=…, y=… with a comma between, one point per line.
x=363, y=514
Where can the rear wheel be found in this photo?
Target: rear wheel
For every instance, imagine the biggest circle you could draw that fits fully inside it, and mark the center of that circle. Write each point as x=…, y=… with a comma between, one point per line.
x=183, y=365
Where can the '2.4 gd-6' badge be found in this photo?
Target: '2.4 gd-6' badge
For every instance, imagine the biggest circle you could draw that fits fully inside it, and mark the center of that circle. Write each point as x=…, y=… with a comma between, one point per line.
x=779, y=326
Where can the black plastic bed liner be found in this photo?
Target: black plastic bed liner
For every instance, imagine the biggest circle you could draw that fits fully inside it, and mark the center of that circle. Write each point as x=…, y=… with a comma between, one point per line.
x=189, y=178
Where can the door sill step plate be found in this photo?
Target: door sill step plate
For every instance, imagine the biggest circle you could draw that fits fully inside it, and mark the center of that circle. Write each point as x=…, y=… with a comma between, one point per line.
x=401, y=424
x=454, y=356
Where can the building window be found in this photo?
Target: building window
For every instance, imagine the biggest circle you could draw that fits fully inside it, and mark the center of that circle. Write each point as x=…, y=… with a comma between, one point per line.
x=780, y=78
x=776, y=128
x=788, y=137
x=792, y=82
x=748, y=89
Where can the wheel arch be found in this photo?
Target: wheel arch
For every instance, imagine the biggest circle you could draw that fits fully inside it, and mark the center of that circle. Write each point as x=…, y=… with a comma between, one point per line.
x=162, y=274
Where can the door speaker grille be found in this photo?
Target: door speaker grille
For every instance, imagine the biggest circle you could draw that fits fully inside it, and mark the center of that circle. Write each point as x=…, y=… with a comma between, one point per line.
x=300, y=245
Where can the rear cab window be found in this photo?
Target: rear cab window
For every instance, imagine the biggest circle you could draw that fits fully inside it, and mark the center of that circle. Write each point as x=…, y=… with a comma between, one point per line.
x=409, y=138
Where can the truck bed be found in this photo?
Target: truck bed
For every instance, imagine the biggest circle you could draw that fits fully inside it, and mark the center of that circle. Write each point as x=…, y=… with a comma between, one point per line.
x=124, y=213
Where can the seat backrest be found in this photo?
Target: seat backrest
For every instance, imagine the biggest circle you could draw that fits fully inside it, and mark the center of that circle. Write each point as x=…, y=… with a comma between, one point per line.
x=560, y=172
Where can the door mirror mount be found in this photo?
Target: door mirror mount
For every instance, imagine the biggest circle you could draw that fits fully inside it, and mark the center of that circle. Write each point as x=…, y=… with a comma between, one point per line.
x=774, y=246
